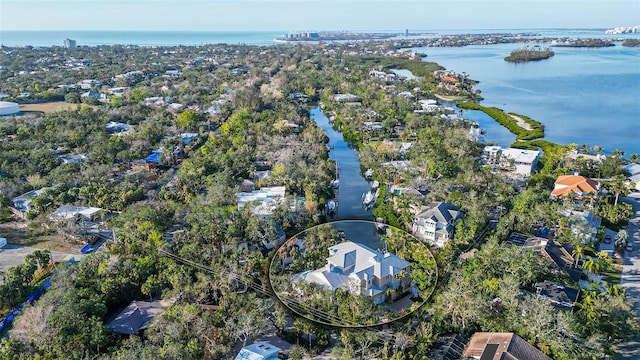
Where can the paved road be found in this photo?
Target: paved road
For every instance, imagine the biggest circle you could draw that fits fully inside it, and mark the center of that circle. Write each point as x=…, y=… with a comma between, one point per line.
x=630, y=279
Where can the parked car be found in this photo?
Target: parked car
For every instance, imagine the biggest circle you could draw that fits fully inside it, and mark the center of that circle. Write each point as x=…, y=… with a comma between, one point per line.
x=607, y=239
x=629, y=247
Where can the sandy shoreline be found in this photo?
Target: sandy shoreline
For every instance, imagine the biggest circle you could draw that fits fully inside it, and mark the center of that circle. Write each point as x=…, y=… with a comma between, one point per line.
x=523, y=124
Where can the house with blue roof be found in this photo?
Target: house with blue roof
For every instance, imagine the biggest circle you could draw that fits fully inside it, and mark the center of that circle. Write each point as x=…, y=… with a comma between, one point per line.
x=154, y=157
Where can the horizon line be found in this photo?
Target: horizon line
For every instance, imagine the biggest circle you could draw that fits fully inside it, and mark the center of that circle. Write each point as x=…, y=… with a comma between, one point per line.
x=401, y=29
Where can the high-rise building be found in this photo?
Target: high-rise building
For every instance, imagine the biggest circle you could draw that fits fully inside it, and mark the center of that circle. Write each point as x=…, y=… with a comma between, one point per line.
x=68, y=43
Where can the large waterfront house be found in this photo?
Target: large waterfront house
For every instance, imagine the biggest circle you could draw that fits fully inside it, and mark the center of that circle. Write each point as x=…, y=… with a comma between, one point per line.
x=359, y=269
x=578, y=185
x=436, y=223
x=519, y=161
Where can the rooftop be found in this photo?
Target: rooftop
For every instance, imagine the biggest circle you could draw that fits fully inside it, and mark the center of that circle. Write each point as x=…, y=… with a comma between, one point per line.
x=258, y=351
x=66, y=212
x=520, y=155
x=501, y=346
x=558, y=293
x=365, y=261
x=135, y=317
x=574, y=183
x=440, y=212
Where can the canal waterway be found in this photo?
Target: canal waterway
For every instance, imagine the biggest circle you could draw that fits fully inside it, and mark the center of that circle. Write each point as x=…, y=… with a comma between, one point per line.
x=352, y=185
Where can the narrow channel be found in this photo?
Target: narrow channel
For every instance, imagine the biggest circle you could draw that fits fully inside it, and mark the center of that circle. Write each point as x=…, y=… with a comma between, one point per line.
x=352, y=185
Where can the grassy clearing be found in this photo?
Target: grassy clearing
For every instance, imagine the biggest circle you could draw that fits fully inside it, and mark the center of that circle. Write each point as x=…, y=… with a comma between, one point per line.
x=52, y=106
x=18, y=233
x=450, y=98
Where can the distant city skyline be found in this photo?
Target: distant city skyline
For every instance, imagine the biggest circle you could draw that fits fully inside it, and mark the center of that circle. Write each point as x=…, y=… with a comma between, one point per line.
x=289, y=15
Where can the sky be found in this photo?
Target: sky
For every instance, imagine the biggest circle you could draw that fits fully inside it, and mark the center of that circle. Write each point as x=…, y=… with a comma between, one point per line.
x=291, y=15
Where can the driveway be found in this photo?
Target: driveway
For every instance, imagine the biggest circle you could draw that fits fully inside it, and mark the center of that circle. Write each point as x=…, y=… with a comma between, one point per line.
x=12, y=255
x=630, y=279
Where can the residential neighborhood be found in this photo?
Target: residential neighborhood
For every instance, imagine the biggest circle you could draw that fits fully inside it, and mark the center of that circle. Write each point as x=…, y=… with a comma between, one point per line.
x=304, y=201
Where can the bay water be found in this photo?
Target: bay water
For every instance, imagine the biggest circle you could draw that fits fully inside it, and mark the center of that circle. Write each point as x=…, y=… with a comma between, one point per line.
x=582, y=95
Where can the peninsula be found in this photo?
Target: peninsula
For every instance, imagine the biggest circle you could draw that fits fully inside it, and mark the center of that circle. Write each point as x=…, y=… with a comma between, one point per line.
x=587, y=43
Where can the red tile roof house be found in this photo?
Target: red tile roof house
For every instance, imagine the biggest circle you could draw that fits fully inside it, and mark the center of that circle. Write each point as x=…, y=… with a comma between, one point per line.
x=579, y=185
x=501, y=346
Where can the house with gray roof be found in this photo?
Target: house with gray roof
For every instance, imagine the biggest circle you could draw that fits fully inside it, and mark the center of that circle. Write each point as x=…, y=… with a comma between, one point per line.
x=24, y=203
x=436, y=223
x=357, y=268
x=135, y=317
x=560, y=254
x=561, y=296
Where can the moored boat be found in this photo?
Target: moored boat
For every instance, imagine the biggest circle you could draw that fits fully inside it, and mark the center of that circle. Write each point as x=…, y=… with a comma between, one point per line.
x=368, y=174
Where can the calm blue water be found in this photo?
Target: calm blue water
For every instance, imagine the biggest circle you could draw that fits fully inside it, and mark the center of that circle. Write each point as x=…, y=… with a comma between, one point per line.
x=582, y=96
x=142, y=38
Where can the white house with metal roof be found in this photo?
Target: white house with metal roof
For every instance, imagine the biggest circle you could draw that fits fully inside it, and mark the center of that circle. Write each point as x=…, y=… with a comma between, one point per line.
x=519, y=161
x=359, y=269
x=266, y=199
x=259, y=351
x=69, y=212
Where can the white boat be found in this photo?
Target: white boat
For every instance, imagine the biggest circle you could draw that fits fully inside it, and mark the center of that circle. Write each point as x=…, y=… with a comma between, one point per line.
x=367, y=198
x=375, y=185
x=335, y=184
x=368, y=174
x=331, y=205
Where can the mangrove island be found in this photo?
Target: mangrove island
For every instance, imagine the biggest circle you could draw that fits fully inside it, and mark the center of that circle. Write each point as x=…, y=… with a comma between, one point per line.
x=529, y=54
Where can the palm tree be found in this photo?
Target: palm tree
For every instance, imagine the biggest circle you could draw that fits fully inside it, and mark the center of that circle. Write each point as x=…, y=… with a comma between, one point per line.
x=615, y=290
x=591, y=197
x=577, y=253
x=619, y=187
x=592, y=265
x=589, y=307
x=388, y=294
